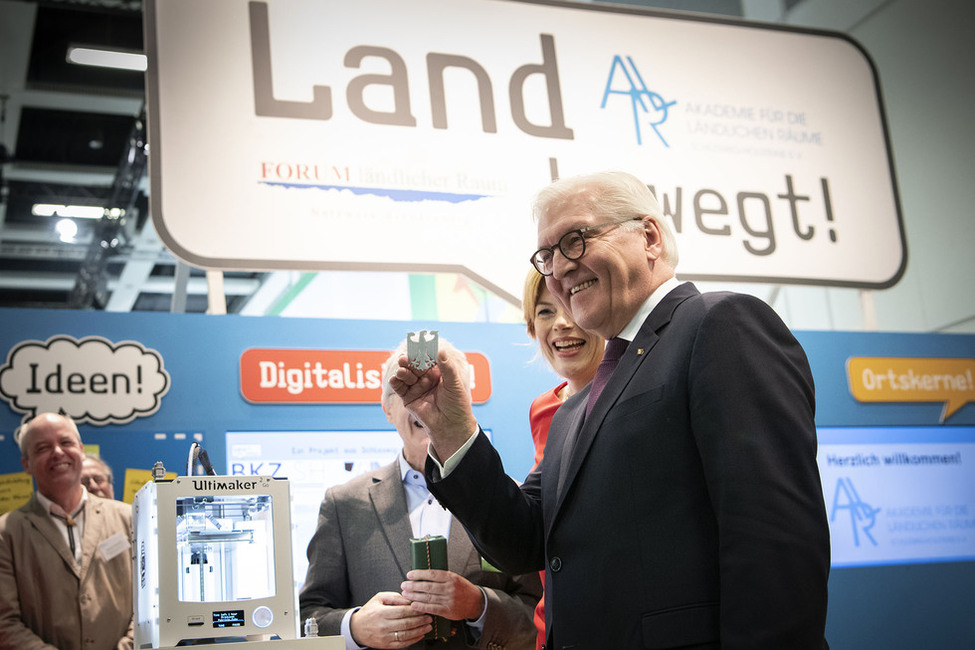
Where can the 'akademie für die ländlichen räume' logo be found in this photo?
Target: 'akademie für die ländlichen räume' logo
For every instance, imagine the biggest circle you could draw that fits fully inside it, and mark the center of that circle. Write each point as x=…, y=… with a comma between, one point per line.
x=648, y=108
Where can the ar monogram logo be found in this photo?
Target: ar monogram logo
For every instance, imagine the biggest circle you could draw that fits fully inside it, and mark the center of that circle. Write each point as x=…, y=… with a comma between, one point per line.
x=863, y=516
x=648, y=108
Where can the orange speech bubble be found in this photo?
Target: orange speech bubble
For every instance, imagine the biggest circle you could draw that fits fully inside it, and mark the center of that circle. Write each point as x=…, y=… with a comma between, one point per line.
x=899, y=379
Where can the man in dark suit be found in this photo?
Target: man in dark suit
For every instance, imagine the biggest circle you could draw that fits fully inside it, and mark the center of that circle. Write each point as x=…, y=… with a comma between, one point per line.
x=65, y=556
x=359, y=582
x=684, y=510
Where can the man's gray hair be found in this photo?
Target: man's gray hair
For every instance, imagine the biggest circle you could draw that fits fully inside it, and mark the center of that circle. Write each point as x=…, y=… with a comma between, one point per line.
x=609, y=195
x=20, y=435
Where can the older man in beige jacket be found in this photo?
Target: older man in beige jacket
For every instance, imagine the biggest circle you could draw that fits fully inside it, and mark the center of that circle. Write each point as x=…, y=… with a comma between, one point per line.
x=65, y=561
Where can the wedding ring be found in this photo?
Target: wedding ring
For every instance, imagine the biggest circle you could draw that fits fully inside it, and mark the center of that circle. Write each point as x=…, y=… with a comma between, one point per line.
x=396, y=635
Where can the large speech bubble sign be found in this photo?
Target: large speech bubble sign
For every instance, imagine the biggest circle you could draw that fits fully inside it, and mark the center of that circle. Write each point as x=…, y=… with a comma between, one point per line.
x=901, y=379
x=89, y=379
x=314, y=135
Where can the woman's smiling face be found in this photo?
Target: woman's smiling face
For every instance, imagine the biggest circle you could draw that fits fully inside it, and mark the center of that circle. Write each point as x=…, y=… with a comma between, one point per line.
x=572, y=352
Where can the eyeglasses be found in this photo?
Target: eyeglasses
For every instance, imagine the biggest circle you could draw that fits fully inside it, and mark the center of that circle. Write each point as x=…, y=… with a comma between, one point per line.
x=572, y=244
x=97, y=479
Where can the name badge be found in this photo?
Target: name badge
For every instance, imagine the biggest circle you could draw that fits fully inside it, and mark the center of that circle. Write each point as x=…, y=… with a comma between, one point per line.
x=117, y=543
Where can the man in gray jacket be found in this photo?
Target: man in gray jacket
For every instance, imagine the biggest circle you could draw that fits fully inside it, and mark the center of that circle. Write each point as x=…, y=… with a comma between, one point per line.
x=359, y=580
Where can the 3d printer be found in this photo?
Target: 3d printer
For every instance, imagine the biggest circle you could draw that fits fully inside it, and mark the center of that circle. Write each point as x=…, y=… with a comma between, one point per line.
x=212, y=561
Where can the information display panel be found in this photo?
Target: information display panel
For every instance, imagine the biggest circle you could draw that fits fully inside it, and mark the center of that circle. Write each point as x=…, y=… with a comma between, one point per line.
x=899, y=495
x=312, y=461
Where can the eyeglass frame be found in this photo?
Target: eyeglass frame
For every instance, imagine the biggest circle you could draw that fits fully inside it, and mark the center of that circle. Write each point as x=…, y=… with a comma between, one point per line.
x=582, y=236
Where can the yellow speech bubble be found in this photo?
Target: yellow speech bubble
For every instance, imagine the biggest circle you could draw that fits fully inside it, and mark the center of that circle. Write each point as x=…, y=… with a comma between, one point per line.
x=901, y=379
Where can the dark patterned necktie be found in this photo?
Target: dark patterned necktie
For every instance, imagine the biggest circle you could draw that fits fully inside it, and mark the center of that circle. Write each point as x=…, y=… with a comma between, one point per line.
x=611, y=357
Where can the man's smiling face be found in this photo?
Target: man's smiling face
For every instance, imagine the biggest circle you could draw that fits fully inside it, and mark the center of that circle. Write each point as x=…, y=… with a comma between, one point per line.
x=53, y=454
x=605, y=287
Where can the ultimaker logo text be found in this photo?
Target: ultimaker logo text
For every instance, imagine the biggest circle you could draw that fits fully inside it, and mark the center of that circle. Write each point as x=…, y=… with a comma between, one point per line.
x=210, y=484
x=397, y=82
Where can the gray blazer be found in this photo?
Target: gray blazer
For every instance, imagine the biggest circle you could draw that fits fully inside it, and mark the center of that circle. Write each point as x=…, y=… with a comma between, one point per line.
x=46, y=599
x=362, y=547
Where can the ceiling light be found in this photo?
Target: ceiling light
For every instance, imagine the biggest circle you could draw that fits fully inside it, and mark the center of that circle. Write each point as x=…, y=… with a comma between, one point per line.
x=119, y=59
x=75, y=211
x=66, y=229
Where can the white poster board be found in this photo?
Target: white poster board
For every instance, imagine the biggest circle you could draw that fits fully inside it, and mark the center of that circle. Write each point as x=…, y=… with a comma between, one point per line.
x=412, y=136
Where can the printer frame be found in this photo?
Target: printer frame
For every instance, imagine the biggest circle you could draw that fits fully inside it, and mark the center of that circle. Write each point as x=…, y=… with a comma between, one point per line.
x=162, y=618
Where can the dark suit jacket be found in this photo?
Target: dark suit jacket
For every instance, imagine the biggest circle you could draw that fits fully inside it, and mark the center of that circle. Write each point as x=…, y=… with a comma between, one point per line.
x=687, y=510
x=362, y=547
x=46, y=598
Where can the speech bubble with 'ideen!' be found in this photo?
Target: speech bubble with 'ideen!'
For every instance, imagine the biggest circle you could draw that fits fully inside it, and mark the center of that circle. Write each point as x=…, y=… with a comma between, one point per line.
x=89, y=379
x=901, y=379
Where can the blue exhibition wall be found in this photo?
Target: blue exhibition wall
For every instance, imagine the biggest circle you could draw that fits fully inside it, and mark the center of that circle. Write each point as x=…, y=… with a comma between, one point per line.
x=922, y=502
x=202, y=356
x=896, y=463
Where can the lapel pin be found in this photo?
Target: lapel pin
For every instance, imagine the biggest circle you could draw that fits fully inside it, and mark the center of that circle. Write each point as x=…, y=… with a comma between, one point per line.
x=639, y=350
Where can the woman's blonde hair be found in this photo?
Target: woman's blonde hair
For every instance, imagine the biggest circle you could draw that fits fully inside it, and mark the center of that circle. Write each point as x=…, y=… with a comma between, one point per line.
x=534, y=283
